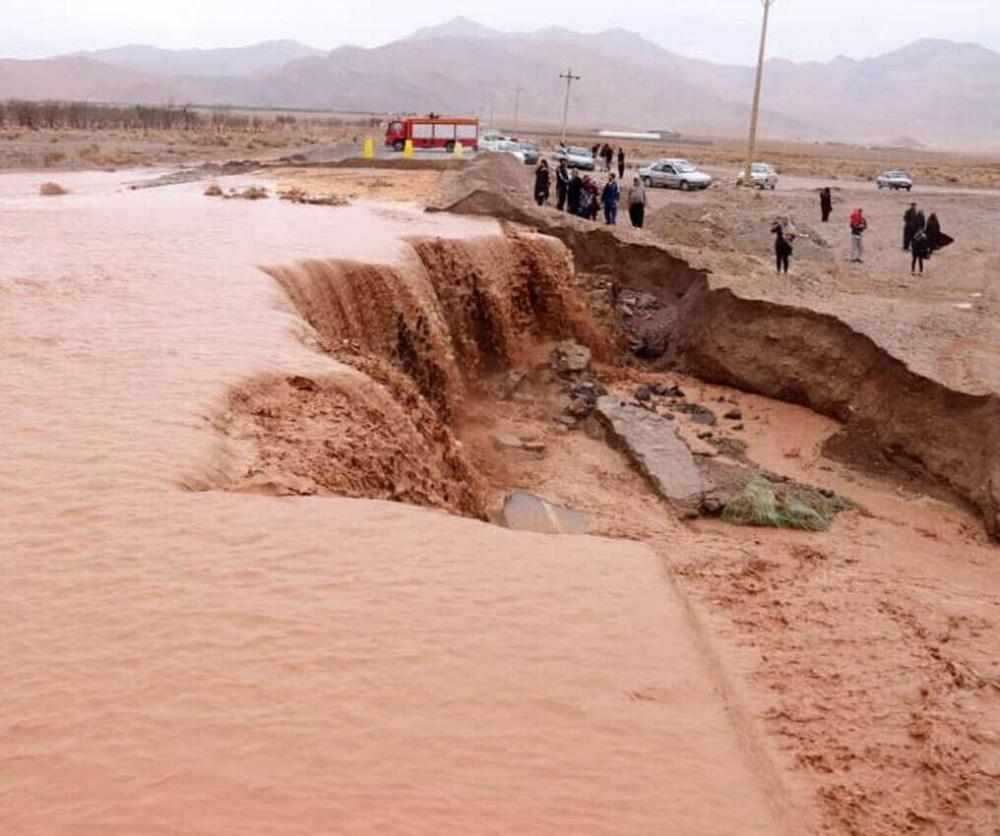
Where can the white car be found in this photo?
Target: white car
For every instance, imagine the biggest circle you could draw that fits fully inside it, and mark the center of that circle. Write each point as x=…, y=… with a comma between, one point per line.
x=506, y=146
x=894, y=180
x=575, y=157
x=490, y=141
x=762, y=175
x=675, y=174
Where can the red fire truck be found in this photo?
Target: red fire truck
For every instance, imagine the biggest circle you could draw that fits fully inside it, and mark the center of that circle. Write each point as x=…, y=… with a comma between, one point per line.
x=432, y=132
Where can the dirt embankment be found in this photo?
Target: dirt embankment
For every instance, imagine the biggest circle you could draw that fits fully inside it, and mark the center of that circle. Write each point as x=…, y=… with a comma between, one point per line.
x=893, y=418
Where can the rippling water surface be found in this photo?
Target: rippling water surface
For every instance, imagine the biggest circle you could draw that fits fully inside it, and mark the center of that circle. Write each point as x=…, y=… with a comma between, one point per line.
x=208, y=662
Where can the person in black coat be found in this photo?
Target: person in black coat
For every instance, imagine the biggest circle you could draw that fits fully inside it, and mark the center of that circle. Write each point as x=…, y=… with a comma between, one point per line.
x=825, y=203
x=920, y=248
x=782, y=247
x=935, y=237
x=562, y=184
x=573, y=192
x=909, y=225
x=621, y=163
x=542, y=183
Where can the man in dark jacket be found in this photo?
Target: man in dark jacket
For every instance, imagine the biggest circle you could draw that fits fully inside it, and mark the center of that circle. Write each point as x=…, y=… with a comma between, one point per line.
x=621, y=163
x=542, y=183
x=562, y=184
x=909, y=225
x=610, y=196
x=573, y=193
x=782, y=247
x=825, y=203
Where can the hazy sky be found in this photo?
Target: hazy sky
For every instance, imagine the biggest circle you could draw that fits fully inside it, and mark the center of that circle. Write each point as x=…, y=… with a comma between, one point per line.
x=722, y=30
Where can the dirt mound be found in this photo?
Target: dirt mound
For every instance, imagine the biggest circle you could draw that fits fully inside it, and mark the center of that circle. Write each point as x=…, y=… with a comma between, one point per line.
x=933, y=433
x=457, y=311
x=499, y=174
x=347, y=435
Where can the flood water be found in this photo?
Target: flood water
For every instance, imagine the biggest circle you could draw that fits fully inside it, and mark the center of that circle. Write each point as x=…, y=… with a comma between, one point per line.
x=178, y=661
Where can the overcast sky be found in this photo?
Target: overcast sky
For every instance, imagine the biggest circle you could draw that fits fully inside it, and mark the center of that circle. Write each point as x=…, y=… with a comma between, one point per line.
x=720, y=30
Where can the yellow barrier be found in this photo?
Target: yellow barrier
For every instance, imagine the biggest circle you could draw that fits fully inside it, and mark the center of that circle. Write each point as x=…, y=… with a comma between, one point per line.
x=408, y=149
x=458, y=150
x=369, y=148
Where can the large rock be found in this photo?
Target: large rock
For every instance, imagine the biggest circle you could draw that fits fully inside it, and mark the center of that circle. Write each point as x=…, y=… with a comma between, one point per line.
x=527, y=512
x=571, y=358
x=655, y=448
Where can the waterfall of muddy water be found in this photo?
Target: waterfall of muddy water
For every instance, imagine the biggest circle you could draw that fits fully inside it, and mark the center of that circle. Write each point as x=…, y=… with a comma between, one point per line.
x=220, y=662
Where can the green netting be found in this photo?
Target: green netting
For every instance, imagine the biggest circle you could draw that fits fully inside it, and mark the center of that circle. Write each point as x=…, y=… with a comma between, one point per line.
x=760, y=504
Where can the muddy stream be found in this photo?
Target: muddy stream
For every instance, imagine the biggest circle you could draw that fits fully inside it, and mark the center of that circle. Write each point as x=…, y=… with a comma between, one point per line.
x=249, y=583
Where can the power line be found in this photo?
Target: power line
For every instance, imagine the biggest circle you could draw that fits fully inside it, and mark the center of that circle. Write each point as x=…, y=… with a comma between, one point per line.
x=570, y=78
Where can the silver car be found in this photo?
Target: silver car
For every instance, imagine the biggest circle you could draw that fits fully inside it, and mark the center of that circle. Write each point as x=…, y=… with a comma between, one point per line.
x=762, y=175
x=675, y=174
x=894, y=180
x=575, y=157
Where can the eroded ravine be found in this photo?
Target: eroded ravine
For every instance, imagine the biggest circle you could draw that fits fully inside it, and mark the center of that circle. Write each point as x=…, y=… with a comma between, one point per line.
x=890, y=414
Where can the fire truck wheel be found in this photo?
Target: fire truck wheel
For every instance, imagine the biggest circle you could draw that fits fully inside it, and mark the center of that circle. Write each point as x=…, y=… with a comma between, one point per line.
x=398, y=145
x=449, y=147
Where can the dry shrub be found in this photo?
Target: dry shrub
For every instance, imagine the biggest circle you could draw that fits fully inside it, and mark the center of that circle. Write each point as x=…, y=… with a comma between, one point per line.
x=51, y=189
x=213, y=190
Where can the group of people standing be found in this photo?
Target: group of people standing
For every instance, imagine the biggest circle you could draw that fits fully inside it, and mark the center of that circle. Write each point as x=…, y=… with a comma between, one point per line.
x=581, y=196
x=922, y=236
x=607, y=155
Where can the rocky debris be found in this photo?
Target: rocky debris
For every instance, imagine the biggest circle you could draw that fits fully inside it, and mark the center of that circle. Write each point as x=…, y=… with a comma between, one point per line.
x=648, y=346
x=506, y=441
x=734, y=415
x=571, y=363
x=633, y=302
x=297, y=195
x=699, y=414
x=643, y=393
x=654, y=447
x=571, y=358
x=526, y=512
x=587, y=391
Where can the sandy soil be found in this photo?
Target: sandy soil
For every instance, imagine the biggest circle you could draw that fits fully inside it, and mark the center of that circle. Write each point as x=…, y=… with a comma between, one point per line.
x=78, y=150
x=421, y=187
x=944, y=324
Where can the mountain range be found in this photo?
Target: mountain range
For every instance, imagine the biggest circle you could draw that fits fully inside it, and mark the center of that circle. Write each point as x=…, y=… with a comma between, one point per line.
x=932, y=90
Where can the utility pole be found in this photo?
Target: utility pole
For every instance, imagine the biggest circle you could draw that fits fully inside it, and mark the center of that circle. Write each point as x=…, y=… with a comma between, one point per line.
x=755, y=108
x=517, y=105
x=570, y=78
x=493, y=121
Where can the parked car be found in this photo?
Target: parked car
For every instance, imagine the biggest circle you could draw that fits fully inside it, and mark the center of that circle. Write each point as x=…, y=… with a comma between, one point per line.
x=675, y=174
x=490, y=141
x=762, y=175
x=575, y=157
x=531, y=152
x=894, y=180
x=506, y=146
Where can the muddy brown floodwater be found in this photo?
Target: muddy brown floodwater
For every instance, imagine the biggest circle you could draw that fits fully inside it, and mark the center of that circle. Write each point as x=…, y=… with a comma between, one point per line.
x=182, y=658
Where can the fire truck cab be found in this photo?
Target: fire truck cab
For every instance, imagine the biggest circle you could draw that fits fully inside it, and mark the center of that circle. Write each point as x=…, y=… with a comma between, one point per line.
x=432, y=132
